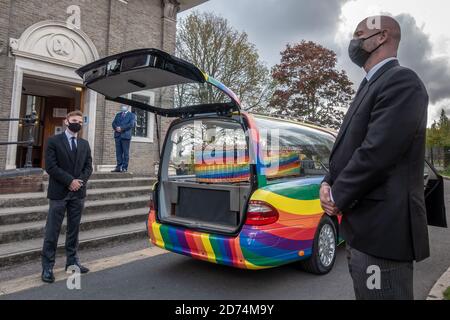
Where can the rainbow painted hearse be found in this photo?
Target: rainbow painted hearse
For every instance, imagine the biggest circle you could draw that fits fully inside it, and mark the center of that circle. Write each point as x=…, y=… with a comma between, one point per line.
x=233, y=188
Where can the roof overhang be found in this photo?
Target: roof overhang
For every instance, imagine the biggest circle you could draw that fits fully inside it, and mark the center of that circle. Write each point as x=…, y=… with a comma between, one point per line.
x=188, y=4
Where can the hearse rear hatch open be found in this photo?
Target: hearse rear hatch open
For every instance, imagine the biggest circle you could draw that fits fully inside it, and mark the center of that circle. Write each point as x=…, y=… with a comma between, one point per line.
x=117, y=76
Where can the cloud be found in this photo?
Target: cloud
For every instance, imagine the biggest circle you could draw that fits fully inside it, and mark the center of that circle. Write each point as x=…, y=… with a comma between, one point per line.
x=434, y=111
x=416, y=52
x=271, y=24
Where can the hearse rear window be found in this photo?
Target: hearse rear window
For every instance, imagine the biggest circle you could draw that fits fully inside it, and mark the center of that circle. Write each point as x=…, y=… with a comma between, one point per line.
x=209, y=151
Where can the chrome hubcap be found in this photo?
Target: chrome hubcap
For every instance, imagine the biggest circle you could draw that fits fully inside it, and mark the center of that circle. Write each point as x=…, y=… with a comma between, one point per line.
x=327, y=245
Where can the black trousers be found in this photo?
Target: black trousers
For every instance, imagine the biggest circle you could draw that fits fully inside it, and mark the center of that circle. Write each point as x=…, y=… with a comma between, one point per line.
x=380, y=279
x=122, y=153
x=74, y=207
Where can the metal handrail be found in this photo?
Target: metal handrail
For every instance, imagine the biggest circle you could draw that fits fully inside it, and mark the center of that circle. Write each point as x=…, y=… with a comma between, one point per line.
x=13, y=119
x=29, y=123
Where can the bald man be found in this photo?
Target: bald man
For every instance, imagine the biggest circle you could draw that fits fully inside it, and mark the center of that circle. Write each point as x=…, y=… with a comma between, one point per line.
x=376, y=168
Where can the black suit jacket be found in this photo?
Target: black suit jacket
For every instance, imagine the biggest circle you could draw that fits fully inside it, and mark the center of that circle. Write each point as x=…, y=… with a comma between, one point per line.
x=62, y=166
x=377, y=167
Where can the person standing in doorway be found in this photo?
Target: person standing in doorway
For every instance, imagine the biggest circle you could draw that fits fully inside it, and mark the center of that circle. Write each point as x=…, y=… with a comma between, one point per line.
x=123, y=123
x=68, y=163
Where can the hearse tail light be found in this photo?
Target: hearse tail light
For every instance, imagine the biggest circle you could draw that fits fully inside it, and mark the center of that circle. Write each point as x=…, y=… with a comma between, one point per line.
x=151, y=203
x=261, y=213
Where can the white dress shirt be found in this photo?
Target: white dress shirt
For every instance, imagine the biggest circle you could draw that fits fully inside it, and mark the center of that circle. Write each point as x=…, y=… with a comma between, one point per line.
x=377, y=67
x=69, y=136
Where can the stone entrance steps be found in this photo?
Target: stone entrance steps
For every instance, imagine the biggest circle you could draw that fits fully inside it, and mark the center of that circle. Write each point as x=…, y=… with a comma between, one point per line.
x=25, y=251
x=39, y=198
x=116, y=209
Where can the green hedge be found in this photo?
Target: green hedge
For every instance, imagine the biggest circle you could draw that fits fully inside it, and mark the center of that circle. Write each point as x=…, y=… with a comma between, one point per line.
x=447, y=294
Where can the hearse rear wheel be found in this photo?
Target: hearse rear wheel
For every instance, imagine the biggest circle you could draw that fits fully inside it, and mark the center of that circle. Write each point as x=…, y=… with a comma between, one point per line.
x=324, y=249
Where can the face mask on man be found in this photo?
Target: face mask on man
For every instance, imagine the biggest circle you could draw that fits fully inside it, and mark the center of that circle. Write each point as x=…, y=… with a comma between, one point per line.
x=357, y=54
x=124, y=108
x=74, y=127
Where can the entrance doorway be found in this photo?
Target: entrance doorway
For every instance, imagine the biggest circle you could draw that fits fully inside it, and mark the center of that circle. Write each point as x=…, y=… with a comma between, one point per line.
x=51, y=100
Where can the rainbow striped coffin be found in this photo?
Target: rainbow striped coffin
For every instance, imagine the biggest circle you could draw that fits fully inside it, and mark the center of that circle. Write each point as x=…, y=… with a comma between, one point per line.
x=232, y=169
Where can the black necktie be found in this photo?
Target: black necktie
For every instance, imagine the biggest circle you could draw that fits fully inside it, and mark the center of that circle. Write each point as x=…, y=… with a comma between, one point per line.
x=73, y=145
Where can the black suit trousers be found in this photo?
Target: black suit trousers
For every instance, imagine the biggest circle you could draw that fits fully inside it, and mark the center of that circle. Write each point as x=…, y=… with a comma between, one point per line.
x=379, y=279
x=74, y=207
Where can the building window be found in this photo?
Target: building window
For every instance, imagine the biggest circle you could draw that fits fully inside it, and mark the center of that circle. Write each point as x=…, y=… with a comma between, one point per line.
x=143, y=131
x=141, y=128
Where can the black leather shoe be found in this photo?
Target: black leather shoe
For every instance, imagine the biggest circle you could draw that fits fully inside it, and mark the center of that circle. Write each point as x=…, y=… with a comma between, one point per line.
x=116, y=170
x=47, y=276
x=79, y=266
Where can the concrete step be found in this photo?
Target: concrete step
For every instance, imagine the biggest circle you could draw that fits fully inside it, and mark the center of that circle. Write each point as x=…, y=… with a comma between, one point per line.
x=23, y=251
x=36, y=213
x=32, y=230
x=39, y=198
x=108, y=175
x=115, y=183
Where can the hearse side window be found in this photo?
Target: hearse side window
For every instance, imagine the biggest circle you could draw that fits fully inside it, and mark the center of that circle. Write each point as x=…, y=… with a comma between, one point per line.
x=209, y=151
x=291, y=150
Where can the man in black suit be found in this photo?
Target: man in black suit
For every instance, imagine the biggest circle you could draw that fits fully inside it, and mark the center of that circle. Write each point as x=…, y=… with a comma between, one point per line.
x=69, y=165
x=377, y=165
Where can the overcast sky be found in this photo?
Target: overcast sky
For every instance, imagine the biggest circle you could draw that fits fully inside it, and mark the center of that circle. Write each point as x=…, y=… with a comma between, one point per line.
x=425, y=47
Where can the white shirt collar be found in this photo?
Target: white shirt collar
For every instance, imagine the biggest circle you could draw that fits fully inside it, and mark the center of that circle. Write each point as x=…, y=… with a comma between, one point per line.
x=377, y=67
x=69, y=135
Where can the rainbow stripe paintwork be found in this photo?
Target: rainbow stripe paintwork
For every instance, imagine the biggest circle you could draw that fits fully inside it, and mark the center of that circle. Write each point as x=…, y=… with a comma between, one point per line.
x=222, y=87
x=256, y=247
x=288, y=164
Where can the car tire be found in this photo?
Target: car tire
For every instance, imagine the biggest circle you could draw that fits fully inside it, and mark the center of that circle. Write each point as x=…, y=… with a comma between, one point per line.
x=324, y=248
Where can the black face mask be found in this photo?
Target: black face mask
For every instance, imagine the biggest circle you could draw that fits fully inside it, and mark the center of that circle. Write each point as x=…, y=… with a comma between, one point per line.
x=74, y=127
x=357, y=54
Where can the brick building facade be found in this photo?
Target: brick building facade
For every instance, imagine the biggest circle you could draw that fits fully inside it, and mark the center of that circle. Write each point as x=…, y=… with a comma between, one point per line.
x=42, y=42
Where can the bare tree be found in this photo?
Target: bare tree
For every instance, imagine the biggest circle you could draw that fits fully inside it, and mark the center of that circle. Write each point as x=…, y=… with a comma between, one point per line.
x=209, y=42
